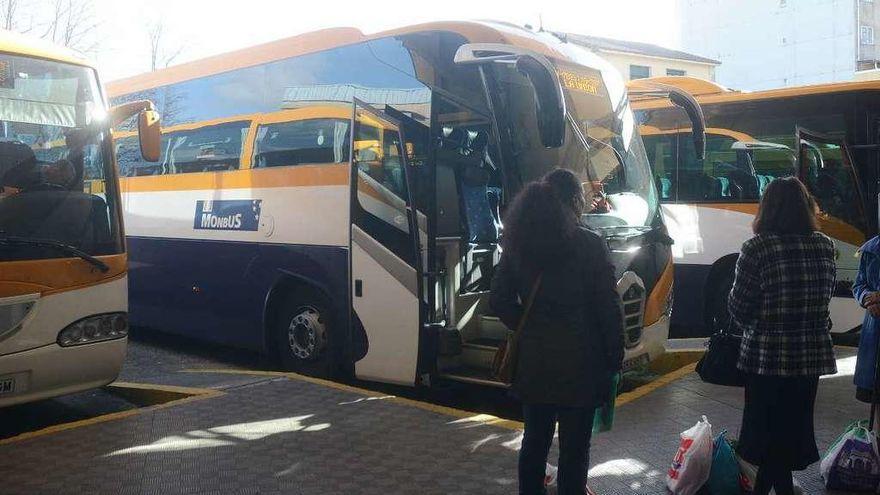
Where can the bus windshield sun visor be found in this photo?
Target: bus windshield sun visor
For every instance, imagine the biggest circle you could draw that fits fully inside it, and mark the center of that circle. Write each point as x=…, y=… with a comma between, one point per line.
x=641, y=89
x=549, y=100
x=37, y=112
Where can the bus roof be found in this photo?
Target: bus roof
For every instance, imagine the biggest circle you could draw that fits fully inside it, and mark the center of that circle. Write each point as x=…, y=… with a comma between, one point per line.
x=707, y=92
x=17, y=44
x=475, y=32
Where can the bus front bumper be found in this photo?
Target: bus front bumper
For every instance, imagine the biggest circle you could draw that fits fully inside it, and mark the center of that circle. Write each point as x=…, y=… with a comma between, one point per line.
x=52, y=370
x=651, y=346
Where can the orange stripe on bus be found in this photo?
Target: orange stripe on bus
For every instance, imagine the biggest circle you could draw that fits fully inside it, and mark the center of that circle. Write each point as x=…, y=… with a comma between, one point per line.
x=335, y=174
x=828, y=225
x=656, y=302
x=51, y=276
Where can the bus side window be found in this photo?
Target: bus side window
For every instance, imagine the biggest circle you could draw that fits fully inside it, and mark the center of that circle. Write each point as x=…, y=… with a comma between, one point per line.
x=209, y=148
x=660, y=151
x=724, y=175
x=771, y=164
x=300, y=142
x=129, y=159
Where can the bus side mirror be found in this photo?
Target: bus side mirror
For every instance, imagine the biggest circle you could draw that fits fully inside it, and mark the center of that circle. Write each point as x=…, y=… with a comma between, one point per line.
x=149, y=130
x=549, y=100
x=698, y=124
x=647, y=89
x=149, y=135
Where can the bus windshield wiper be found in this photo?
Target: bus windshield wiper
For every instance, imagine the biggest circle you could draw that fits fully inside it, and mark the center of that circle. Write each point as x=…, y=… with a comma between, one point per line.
x=6, y=240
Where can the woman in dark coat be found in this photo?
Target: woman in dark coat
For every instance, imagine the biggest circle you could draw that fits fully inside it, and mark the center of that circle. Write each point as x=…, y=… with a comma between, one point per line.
x=784, y=281
x=572, y=342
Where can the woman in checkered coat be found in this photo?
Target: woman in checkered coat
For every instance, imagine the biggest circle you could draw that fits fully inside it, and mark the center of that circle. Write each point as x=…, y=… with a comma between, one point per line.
x=784, y=281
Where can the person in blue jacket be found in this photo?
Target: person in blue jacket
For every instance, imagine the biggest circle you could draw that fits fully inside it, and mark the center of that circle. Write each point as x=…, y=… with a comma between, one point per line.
x=866, y=290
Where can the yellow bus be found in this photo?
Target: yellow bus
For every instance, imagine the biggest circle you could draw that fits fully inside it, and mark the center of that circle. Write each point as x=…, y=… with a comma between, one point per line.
x=63, y=268
x=828, y=135
x=337, y=198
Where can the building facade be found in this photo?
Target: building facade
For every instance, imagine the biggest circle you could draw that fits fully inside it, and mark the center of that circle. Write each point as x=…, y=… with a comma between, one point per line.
x=639, y=60
x=765, y=44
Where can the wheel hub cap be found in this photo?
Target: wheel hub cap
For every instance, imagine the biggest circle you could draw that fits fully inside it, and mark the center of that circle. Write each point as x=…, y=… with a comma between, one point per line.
x=306, y=334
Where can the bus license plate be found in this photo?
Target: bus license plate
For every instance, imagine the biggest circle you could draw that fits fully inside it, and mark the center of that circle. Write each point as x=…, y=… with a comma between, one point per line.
x=7, y=386
x=635, y=362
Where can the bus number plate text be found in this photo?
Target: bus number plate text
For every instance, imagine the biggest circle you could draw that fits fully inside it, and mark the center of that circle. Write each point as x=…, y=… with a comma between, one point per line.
x=7, y=386
x=636, y=362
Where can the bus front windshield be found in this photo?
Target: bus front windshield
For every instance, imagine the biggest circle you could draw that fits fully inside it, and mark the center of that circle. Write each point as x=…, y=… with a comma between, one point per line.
x=604, y=147
x=56, y=193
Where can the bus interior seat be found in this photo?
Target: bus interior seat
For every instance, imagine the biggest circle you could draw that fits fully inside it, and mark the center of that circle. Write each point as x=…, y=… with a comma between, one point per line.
x=72, y=217
x=722, y=189
x=665, y=187
x=19, y=165
x=763, y=182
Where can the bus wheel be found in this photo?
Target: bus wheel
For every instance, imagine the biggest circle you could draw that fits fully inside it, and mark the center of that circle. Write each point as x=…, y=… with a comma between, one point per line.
x=718, y=314
x=303, y=333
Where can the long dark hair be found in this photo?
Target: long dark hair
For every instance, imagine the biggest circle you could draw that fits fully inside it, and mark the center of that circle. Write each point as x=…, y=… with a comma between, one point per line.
x=786, y=209
x=541, y=222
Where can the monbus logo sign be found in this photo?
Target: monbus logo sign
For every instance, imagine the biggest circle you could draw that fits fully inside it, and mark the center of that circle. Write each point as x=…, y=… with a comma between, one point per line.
x=228, y=214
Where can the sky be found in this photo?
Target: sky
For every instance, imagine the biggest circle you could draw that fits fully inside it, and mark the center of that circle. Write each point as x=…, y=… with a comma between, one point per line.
x=207, y=27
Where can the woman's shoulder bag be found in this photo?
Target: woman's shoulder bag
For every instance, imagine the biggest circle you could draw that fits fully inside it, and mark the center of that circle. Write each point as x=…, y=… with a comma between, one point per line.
x=504, y=364
x=718, y=364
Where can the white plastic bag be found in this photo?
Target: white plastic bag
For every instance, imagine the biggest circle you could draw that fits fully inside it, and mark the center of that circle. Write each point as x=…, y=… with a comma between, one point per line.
x=748, y=474
x=550, y=474
x=853, y=461
x=693, y=461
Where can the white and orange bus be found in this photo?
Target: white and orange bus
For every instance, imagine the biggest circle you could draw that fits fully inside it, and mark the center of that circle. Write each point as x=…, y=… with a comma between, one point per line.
x=63, y=282
x=337, y=198
x=828, y=135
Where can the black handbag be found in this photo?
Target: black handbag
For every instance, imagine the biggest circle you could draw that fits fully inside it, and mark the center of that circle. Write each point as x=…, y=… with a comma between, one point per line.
x=718, y=364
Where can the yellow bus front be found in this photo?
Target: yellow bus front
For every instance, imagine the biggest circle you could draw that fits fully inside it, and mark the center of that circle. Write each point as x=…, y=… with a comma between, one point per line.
x=63, y=286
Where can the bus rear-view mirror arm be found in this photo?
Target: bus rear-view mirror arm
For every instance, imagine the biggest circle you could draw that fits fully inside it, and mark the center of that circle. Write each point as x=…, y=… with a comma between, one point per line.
x=649, y=89
x=549, y=99
x=149, y=129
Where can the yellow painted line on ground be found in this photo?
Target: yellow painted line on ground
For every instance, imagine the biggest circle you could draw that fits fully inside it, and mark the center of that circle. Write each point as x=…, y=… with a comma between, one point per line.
x=188, y=395
x=468, y=416
x=660, y=382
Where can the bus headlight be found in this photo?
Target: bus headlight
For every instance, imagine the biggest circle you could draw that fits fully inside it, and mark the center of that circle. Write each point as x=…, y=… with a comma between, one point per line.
x=94, y=329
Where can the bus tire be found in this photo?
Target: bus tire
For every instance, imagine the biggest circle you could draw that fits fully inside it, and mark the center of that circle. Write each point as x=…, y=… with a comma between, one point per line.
x=717, y=310
x=303, y=334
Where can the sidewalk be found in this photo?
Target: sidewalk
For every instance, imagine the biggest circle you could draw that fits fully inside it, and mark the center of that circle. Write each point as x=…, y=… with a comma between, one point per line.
x=275, y=434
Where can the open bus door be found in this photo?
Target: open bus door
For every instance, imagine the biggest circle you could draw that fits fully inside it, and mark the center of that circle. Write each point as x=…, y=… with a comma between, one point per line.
x=826, y=167
x=385, y=257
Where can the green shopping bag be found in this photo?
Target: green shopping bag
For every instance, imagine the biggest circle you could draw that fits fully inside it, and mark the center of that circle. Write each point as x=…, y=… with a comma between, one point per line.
x=724, y=477
x=604, y=417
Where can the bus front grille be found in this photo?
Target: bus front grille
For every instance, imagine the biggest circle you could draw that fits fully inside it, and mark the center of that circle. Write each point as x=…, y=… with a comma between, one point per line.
x=633, y=314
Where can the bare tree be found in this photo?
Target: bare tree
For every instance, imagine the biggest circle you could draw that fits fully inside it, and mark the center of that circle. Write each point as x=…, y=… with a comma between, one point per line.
x=9, y=8
x=11, y=16
x=72, y=23
x=160, y=55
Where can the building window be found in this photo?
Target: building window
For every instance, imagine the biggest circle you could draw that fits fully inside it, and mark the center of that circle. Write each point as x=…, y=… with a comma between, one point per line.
x=866, y=35
x=675, y=72
x=639, y=71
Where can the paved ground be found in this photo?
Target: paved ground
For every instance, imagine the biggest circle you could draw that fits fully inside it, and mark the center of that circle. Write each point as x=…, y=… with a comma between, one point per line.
x=268, y=434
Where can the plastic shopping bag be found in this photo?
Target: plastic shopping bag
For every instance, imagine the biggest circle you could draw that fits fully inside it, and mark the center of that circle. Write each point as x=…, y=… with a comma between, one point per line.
x=853, y=462
x=550, y=474
x=748, y=474
x=693, y=461
x=724, y=476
